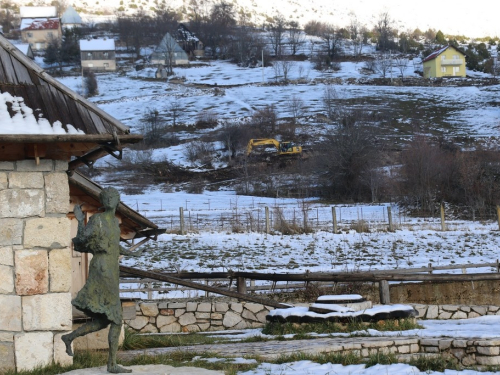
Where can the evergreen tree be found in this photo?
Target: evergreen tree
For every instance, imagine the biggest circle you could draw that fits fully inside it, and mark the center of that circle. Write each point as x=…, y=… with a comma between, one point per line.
x=440, y=37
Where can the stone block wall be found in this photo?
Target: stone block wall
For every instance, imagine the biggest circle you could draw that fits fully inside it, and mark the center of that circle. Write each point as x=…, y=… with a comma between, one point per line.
x=454, y=311
x=197, y=316
x=35, y=263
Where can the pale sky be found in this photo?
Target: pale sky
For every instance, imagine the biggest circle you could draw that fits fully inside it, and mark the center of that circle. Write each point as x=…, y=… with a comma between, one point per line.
x=473, y=19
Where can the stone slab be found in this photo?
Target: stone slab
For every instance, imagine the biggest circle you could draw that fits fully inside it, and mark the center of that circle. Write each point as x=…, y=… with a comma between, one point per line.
x=6, y=279
x=26, y=180
x=34, y=349
x=20, y=203
x=11, y=232
x=32, y=272
x=10, y=313
x=7, y=360
x=60, y=270
x=150, y=370
x=57, y=193
x=6, y=256
x=49, y=232
x=47, y=312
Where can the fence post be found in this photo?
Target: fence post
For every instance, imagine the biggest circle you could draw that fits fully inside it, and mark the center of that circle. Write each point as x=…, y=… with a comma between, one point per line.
x=389, y=216
x=498, y=216
x=181, y=214
x=385, y=295
x=267, y=220
x=443, y=225
x=150, y=292
x=334, y=216
x=241, y=285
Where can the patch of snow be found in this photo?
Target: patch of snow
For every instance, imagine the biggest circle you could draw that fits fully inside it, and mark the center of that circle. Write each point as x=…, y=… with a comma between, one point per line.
x=23, y=121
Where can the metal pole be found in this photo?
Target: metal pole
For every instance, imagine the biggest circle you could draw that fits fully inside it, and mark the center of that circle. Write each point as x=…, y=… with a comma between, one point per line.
x=334, y=216
x=267, y=220
x=389, y=215
x=181, y=214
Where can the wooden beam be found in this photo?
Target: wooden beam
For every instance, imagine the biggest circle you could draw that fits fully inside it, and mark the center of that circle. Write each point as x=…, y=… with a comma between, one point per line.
x=190, y=284
x=76, y=138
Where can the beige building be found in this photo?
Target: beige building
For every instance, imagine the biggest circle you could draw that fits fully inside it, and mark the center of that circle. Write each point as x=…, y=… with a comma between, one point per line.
x=38, y=32
x=98, y=54
x=445, y=62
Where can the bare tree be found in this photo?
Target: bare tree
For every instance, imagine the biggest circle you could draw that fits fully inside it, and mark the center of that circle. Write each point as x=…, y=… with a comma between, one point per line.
x=277, y=29
x=296, y=108
x=385, y=31
x=153, y=127
x=383, y=64
x=174, y=108
x=265, y=120
x=296, y=37
x=333, y=38
x=234, y=136
x=167, y=49
x=351, y=151
x=401, y=63
x=356, y=35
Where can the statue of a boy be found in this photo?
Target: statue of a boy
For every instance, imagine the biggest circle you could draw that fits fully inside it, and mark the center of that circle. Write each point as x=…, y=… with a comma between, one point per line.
x=99, y=298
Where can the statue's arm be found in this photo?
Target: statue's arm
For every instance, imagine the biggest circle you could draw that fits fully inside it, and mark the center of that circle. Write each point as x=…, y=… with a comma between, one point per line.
x=126, y=252
x=81, y=241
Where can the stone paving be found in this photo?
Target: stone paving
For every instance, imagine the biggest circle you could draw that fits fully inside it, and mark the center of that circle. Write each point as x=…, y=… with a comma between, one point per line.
x=464, y=351
x=273, y=349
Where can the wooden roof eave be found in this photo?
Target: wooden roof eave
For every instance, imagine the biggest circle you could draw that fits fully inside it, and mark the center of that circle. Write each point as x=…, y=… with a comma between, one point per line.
x=71, y=138
x=149, y=229
x=15, y=52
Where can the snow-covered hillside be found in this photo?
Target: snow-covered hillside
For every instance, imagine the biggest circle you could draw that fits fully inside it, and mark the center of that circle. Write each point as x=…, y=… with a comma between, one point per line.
x=473, y=20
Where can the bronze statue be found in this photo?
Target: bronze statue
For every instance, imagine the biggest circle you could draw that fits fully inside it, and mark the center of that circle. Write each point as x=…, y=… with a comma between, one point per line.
x=99, y=298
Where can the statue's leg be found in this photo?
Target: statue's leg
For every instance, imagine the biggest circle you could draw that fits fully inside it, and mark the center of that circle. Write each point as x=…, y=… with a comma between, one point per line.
x=113, y=338
x=94, y=325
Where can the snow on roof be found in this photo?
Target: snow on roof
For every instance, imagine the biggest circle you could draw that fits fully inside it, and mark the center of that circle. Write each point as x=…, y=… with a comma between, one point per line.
x=40, y=24
x=168, y=44
x=23, y=47
x=184, y=34
x=17, y=118
x=38, y=12
x=97, y=45
x=435, y=54
x=71, y=16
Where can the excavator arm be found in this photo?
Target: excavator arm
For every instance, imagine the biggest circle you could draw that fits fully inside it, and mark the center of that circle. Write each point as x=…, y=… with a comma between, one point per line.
x=283, y=148
x=262, y=142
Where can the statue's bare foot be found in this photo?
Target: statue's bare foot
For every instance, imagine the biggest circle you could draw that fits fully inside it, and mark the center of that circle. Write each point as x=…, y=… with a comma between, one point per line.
x=116, y=369
x=67, y=342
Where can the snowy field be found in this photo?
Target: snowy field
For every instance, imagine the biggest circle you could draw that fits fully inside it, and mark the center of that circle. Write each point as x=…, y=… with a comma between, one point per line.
x=451, y=111
x=415, y=243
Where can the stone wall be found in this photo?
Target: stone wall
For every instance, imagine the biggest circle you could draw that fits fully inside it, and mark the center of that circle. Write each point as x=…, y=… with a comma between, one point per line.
x=185, y=316
x=454, y=311
x=35, y=263
x=197, y=316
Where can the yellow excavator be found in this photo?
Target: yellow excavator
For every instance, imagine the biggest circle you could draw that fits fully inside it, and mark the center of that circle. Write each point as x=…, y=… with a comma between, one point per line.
x=282, y=148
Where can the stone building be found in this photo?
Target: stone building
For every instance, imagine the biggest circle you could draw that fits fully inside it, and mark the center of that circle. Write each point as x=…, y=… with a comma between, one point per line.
x=46, y=132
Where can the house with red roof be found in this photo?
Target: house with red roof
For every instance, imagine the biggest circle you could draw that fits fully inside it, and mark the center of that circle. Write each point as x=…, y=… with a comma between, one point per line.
x=38, y=32
x=448, y=61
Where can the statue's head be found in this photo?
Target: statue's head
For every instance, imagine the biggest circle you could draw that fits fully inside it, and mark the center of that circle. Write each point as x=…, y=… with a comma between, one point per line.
x=110, y=197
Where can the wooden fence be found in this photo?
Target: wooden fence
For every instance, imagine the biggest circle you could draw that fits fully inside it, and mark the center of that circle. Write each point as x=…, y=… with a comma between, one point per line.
x=235, y=284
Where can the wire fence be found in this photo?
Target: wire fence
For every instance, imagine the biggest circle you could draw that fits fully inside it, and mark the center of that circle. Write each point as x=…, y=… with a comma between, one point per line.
x=306, y=217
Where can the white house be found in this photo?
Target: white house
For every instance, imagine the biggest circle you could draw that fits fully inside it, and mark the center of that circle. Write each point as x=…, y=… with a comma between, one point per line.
x=98, y=54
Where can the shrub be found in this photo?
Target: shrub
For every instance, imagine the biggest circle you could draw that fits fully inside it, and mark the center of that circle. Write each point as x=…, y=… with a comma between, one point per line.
x=90, y=84
x=206, y=119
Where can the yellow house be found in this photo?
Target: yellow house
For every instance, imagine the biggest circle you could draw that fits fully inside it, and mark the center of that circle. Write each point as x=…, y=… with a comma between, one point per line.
x=446, y=62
